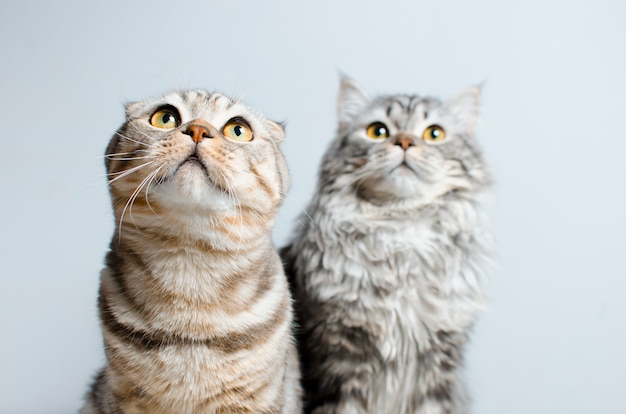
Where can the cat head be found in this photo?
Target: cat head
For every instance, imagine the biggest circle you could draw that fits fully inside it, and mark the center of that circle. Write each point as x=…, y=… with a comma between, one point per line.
x=404, y=147
x=196, y=151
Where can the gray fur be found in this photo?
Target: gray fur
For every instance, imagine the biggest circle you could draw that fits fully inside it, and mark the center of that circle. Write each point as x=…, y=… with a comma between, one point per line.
x=388, y=263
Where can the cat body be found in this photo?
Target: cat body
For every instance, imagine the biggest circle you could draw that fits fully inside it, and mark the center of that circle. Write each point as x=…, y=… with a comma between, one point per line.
x=194, y=305
x=386, y=267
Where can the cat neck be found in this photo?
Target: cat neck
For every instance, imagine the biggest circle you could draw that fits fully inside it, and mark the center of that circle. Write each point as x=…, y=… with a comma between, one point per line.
x=192, y=267
x=345, y=203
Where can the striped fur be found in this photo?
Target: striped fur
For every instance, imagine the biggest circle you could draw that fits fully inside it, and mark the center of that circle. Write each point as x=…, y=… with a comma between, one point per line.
x=387, y=265
x=194, y=305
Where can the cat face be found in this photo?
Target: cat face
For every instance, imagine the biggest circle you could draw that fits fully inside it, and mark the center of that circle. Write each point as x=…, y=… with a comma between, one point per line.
x=196, y=151
x=403, y=147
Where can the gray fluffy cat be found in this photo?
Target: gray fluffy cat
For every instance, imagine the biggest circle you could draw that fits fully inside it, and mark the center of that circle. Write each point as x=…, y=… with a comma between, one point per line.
x=387, y=272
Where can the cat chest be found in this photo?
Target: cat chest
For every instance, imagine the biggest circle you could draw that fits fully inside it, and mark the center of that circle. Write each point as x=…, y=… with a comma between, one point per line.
x=402, y=278
x=192, y=376
x=384, y=260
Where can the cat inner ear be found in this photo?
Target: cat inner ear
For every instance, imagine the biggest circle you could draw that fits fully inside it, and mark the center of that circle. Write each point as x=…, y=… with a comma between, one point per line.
x=351, y=101
x=465, y=108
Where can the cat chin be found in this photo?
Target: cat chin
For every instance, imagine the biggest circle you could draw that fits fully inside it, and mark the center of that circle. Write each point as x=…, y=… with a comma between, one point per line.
x=400, y=185
x=194, y=189
x=380, y=196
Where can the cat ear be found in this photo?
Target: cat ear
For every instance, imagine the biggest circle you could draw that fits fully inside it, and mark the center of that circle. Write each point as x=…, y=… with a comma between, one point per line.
x=133, y=108
x=465, y=108
x=350, y=102
x=276, y=130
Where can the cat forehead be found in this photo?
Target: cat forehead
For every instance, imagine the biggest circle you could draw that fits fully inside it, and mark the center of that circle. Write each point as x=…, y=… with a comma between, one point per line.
x=194, y=103
x=406, y=106
x=401, y=110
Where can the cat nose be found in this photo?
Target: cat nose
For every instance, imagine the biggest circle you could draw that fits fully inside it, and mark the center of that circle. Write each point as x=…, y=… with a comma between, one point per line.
x=404, y=141
x=198, y=130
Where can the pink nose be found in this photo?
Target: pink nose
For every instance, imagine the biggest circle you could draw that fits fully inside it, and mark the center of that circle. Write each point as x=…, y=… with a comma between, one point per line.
x=198, y=130
x=404, y=141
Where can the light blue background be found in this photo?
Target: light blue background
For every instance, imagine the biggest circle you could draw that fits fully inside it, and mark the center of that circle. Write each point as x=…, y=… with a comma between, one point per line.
x=554, y=338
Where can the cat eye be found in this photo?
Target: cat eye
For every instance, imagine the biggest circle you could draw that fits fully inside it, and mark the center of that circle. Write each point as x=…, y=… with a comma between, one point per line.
x=166, y=117
x=377, y=130
x=237, y=129
x=434, y=133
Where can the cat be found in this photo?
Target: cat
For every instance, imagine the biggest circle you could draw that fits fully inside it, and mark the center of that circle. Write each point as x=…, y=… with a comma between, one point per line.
x=194, y=304
x=388, y=263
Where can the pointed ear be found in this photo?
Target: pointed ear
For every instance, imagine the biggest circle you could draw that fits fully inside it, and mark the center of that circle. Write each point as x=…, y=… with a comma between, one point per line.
x=350, y=102
x=276, y=130
x=465, y=108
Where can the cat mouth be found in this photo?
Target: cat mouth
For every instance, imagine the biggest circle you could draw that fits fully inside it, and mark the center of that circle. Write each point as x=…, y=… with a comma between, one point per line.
x=404, y=166
x=193, y=159
x=192, y=162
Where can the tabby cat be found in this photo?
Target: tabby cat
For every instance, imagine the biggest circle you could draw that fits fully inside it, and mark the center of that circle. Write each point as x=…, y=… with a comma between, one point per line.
x=388, y=265
x=194, y=305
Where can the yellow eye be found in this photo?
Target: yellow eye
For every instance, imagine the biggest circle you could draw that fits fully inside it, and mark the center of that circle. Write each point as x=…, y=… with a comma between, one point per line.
x=377, y=130
x=165, y=118
x=434, y=133
x=238, y=130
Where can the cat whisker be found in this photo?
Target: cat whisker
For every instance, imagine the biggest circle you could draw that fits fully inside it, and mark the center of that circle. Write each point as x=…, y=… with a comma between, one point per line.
x=306, y=213
x=131, y=123
x=133, y=197
x=147, y=157
x=132, y=140
x=152, y=180
x=122, y=153
x=122, y=174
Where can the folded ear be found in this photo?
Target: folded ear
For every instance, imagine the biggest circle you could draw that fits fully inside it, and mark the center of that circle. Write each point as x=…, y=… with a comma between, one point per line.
x=276, y=130
x=133, y=108
x=465, y=108
x=350, y=102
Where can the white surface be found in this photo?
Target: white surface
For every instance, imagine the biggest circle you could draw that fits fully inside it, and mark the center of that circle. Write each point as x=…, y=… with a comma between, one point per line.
x=554, y=339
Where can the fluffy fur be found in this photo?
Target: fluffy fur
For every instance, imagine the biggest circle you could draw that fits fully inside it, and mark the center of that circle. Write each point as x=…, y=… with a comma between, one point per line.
x=194, y=305
x=387, y=265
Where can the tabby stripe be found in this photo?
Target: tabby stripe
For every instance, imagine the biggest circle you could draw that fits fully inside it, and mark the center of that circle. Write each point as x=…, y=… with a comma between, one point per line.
x=116, y=264
x=229, y=343
x=243, y=393
x=232, y=285
x=413, y=102
x=278, y=156
x=261, y=181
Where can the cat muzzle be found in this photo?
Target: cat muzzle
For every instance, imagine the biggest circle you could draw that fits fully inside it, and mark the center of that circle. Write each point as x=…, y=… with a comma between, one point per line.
x=198, y=130
x=404, y=141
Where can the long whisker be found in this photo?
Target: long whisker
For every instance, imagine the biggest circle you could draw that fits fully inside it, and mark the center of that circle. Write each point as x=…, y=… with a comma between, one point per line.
x=131, y=123
x=154, y=174
x=307, y=215
x=122, y=153
x=134, y=140
x=132, y=198
x=147, y=157
x=122, y=174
